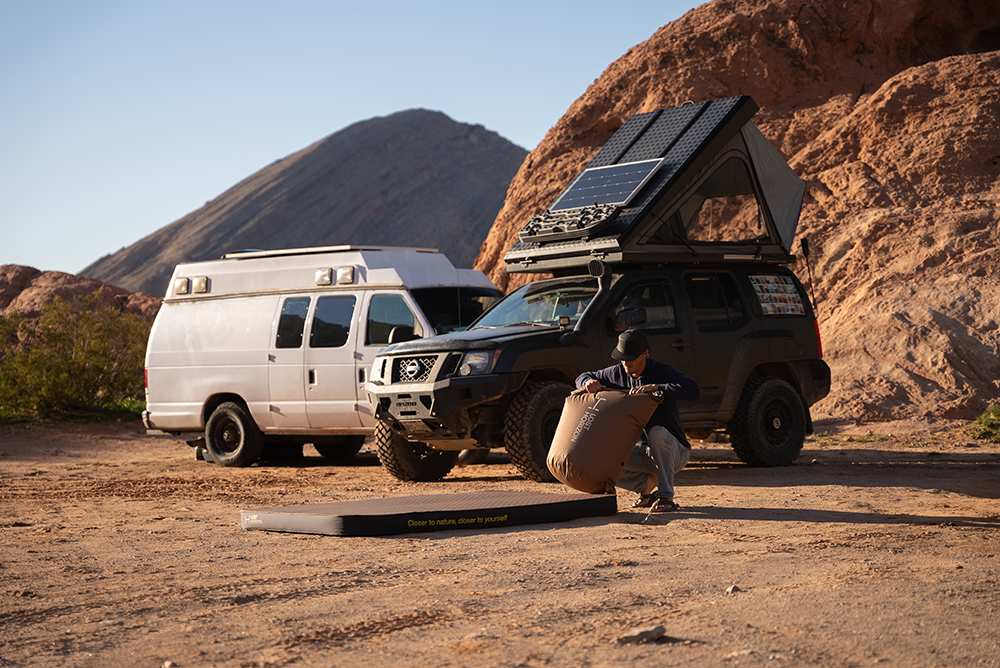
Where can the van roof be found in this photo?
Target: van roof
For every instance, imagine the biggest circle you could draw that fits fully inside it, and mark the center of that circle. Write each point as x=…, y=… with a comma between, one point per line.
x=322, y=268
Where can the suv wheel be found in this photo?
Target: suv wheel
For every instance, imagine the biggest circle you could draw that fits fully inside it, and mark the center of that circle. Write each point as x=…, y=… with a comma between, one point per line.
x=340, y=447
x=530, y=424
x=408, y=461
x=232, y=437
x=769, y=426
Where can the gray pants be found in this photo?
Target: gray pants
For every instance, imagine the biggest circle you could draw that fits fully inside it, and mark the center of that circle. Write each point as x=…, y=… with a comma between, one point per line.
x=662, y=456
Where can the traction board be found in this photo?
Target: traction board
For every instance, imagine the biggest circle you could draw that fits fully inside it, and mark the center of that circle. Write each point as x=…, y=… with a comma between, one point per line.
x=433, y=512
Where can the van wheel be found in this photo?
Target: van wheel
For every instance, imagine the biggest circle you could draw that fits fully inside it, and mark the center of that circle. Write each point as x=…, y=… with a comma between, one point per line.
x=769, y=426
x=232, y=436
x=340, y=447
x=409, y=461
x=530, y=424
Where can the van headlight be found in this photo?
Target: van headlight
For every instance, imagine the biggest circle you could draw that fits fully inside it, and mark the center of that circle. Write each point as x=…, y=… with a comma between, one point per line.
x=478, y=363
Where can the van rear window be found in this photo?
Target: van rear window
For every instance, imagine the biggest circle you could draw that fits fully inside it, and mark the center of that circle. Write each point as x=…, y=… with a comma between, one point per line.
x=292, y=322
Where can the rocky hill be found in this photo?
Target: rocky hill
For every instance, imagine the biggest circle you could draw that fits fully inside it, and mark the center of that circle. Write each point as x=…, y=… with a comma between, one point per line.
x=25, y=289
x=890, y=111
x=415, y=178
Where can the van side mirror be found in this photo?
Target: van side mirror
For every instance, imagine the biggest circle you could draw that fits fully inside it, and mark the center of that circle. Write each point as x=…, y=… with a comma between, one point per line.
x=627, y=319
x=401, y=333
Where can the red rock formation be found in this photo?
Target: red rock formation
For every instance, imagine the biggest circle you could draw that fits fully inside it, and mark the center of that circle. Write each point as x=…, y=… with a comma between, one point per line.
x=25, y=289
x=891, y=113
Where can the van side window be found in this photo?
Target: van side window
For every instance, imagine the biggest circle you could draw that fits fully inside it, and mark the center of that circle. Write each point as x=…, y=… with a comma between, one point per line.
x=715, y=301
x=655, y=299
x=384, y=313
x=292, y=322
x=332, y=321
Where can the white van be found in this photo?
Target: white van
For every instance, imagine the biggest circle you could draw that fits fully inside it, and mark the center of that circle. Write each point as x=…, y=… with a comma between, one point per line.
x=273, y=347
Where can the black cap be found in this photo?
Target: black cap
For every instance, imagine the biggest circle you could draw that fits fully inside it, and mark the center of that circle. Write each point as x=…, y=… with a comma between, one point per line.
x=631, y=344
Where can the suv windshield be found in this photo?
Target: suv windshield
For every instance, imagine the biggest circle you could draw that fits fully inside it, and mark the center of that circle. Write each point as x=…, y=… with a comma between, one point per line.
x=454, y=309
x=542, y=303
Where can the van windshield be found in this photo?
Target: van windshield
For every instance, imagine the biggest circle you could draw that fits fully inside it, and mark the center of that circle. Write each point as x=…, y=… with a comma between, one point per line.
x=454, y=309
x=542, y=304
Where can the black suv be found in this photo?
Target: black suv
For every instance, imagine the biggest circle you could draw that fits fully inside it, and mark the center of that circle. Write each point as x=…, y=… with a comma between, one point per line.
x=681, y=227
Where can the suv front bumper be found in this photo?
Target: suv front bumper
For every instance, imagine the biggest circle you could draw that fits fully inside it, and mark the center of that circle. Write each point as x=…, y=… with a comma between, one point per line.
x=444, y=410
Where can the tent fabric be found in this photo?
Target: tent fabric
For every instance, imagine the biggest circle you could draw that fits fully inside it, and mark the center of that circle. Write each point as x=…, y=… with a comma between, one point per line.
x=595, y=436
x=782, y=187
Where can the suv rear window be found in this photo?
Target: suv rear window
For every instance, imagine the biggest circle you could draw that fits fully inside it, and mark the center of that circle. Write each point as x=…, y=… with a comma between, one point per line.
x=715, y=301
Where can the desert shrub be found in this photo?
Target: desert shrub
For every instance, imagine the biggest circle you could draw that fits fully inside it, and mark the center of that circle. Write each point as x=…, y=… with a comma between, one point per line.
x=987, y=425
x=79, y=355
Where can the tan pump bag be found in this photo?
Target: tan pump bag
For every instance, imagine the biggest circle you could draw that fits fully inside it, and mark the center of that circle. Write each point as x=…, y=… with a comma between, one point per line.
x=595, y=437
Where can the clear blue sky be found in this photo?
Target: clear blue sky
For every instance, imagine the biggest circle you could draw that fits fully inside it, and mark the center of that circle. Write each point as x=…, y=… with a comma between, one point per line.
x=118, y=118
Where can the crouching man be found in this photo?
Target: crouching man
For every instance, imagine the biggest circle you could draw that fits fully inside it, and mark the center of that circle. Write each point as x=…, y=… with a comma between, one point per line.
x=650, y=469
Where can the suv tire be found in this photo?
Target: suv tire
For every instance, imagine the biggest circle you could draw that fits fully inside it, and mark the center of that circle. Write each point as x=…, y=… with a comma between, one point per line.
x=232, y=437
x=769, y=426
x=340, y=447
x=531, y=423
x=409, y=461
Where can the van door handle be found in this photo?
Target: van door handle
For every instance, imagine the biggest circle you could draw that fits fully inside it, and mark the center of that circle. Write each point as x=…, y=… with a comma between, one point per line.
x=361, y=376
x=680, y=345
x=312, y=376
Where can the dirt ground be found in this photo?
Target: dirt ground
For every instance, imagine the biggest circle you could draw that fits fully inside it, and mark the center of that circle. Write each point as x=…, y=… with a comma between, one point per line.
x=119, y=549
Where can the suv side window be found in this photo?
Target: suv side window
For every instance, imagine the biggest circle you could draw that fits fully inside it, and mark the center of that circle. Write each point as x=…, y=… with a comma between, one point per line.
x=332, y=321
x=715, y=302
x=656, y=300
x=384, y=313
x=292, y=322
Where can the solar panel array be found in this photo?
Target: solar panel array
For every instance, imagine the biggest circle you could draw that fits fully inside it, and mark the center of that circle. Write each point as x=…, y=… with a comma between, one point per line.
x=614, y=184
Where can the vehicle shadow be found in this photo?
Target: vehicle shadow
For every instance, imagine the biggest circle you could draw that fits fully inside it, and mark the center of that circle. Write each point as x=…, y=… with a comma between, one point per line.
x=969, y=473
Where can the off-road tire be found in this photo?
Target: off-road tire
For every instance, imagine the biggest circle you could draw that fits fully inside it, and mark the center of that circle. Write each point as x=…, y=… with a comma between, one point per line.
x=769, y=426
x=232, y=437
x=409, y=461
x=340, y=447
x=531, y=423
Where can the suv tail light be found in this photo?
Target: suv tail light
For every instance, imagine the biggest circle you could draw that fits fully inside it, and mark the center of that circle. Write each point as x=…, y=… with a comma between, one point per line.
x=819, y=341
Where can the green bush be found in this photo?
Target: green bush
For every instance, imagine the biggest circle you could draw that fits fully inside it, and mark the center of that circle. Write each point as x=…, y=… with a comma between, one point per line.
x=987, y=425
x=79, y=355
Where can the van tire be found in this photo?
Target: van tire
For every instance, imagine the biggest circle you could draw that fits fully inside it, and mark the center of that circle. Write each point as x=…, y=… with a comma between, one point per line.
x=409, y=461
x=531, y=423
x=232, y=437
x=340, y=447
x=769, y=426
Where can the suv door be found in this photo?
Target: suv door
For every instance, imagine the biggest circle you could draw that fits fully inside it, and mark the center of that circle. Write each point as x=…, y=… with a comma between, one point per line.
x=331, y=391
x=666, y=324
x=721, y=318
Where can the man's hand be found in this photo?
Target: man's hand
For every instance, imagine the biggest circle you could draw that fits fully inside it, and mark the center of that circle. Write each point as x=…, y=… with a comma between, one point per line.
x=644, y=389
x=593, y=386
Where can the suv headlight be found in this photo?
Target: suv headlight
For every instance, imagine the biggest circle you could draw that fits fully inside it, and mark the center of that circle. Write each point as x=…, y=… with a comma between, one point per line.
x=478, y=363
x=378, y=368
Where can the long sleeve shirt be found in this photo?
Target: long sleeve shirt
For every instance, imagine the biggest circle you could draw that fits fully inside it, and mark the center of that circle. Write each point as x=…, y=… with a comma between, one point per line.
x=672, y=383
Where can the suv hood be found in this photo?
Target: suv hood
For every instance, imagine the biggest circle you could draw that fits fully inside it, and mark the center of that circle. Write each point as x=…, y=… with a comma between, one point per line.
x=475, y=339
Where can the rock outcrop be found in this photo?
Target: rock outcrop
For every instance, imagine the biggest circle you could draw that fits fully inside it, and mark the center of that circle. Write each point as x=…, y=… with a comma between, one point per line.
x=414, y=178
x=890, y=111
x=25, y=289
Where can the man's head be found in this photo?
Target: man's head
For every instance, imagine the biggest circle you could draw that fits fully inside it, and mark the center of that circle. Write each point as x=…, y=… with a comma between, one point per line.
x=632, y=351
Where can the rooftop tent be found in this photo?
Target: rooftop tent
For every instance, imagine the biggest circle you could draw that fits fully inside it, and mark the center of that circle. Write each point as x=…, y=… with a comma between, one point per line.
x=697, y=181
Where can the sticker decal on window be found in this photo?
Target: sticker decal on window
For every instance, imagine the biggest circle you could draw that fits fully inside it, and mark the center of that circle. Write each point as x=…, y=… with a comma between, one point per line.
x=777, y=295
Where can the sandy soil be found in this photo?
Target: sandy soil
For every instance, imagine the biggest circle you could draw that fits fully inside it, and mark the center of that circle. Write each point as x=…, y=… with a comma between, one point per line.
x=119, y=549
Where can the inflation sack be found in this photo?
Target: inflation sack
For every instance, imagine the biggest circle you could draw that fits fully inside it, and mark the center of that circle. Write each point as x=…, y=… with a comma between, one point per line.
x=595, y=437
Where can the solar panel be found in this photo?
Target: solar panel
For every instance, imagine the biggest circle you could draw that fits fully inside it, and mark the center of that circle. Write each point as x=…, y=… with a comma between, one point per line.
x=614, y=184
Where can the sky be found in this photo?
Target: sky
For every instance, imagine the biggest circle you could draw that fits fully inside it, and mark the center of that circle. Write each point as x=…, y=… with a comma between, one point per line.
x=118, y=118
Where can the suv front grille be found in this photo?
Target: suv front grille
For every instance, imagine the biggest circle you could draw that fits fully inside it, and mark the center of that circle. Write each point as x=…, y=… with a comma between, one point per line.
x=413, y=369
